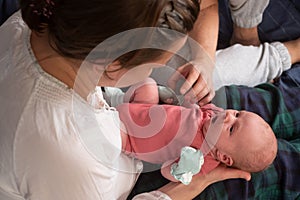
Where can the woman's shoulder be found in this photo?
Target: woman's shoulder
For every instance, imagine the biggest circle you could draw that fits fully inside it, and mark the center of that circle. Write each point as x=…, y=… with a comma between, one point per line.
x=12, y=27
x=14, y=18
x=14, y=34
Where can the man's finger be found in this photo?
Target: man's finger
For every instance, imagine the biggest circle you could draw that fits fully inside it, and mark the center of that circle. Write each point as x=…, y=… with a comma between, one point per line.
x=191, y=78
x=179, y=74
x=207, y=99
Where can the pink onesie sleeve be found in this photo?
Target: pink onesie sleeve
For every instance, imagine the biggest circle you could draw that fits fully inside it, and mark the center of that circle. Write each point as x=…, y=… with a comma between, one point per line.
x=156, y=133
x=145, y=92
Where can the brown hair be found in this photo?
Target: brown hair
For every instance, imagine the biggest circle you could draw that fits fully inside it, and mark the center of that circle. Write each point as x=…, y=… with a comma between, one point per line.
x=75, y=27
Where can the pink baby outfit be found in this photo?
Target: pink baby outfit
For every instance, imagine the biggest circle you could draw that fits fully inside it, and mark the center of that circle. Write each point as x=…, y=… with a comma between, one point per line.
x=157, y=133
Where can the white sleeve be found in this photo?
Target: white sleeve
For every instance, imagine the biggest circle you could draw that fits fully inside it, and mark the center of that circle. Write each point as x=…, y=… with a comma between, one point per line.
x=250, y=65
x=53, y=162
x=60, y=174
x=48, y=177
x=155, y=195
x=113, y=96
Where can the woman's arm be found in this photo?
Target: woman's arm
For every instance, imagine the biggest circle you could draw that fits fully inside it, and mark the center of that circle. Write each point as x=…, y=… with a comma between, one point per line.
x=199, y=183
x=178, y=191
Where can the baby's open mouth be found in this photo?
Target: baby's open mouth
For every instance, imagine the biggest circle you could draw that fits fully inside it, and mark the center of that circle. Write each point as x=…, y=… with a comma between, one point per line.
x=207, y=123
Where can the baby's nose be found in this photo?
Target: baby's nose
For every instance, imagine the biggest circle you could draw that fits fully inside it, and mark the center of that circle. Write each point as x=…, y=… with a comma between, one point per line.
x=228, y=116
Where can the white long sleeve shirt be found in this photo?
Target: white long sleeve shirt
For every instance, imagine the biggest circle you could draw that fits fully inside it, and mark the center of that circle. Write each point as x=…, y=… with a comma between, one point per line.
x=53, y=144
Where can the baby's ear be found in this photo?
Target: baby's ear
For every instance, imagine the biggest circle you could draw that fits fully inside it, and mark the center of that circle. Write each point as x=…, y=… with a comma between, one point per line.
x=224, y=158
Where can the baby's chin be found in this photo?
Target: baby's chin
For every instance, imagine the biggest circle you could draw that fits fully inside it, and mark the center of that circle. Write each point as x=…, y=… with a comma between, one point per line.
x=205, y=126
x=213, y=126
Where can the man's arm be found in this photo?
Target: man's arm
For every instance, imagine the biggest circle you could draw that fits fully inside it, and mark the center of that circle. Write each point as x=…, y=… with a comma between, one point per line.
x=198, y=73
x=206, y=27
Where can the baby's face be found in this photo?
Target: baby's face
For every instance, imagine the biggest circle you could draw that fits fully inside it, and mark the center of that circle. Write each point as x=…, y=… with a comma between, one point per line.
x=234, y=130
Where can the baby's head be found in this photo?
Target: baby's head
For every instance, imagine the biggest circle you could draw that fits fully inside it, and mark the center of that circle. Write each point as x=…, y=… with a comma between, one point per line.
x=245, y=141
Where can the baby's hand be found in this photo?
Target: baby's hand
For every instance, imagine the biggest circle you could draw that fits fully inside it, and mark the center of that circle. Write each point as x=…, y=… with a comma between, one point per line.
x=189, y=164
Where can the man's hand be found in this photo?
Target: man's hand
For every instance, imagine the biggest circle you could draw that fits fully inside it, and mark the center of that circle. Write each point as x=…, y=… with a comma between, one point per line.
x=198, y=85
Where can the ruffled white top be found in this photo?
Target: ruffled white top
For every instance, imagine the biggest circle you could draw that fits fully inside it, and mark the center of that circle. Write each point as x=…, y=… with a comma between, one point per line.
x=53, y=144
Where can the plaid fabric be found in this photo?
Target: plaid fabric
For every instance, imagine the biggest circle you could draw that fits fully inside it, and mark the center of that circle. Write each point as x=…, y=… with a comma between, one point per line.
x=279, y=105
x=279, y=181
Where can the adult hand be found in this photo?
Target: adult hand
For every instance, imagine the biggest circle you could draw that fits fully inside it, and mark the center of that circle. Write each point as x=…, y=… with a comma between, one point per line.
x=222, y=172
x=199, y=183
x=198, y=85
x=203, y=42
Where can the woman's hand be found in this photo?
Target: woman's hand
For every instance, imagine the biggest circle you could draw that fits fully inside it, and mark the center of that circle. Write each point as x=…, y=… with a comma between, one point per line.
x=223, y=172
x=199, y=183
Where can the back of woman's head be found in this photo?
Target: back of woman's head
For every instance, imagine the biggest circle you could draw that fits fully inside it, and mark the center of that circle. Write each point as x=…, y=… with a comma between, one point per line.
x=75, y=27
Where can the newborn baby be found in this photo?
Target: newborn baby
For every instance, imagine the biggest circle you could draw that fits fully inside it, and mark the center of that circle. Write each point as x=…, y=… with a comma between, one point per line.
x=157, y=133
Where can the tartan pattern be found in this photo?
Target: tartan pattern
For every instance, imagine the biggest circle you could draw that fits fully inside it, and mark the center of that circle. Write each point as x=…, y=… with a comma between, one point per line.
x=279, y=105
x=279, y=181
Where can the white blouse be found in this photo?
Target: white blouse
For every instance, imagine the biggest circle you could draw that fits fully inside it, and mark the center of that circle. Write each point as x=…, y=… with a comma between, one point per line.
x=53, y=144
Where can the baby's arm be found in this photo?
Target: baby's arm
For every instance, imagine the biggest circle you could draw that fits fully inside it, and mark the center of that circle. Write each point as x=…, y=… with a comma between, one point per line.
x=143, y=92
x=195, y=164
x=190, y=163
x=165, y=170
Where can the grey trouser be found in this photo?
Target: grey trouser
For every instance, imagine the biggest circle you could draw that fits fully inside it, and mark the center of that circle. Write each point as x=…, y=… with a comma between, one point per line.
x=247, y=13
